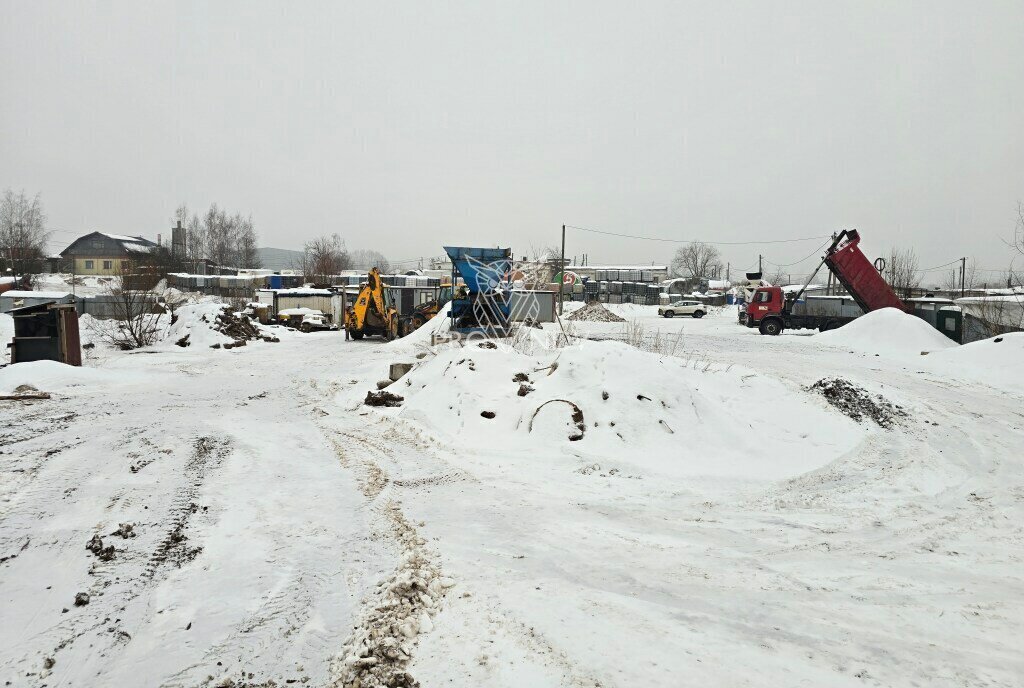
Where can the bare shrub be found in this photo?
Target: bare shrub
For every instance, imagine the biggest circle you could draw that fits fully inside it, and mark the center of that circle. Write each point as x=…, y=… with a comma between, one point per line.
x=137, y=311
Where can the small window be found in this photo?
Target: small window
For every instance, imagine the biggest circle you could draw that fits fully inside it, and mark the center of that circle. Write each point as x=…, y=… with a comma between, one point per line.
x=97, y=244
x=88, y=265
x=763, y=297
x=108, y=264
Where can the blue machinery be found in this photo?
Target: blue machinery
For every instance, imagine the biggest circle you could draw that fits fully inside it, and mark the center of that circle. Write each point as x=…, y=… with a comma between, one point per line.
x=482, y=306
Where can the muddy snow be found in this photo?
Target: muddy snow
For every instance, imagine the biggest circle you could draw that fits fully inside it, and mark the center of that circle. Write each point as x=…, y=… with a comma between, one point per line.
x=718, y=509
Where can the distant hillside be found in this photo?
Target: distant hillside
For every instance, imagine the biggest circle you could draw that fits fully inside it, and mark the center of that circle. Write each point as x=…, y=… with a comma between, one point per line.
x=279, y=258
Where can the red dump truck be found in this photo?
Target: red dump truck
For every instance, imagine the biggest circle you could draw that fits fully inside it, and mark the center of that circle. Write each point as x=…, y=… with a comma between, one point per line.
x=772, y=311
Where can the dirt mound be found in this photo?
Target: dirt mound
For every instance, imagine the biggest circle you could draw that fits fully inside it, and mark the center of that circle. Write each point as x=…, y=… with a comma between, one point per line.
x=857, y=403
x=595, y=312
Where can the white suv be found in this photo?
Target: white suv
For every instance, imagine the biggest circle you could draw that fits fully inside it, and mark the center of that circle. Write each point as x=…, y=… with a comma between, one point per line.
x=694, y=308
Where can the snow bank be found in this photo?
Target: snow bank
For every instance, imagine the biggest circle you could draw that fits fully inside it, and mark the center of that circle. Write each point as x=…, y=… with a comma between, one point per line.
x=439, y=324
x=602, y=401
x=887, y=332
x=997, y=362
x=47, y=376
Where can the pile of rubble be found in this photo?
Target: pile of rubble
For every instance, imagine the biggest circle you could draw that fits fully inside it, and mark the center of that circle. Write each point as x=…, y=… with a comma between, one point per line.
x=237, y=326
x=857, y=403
x=595, y=312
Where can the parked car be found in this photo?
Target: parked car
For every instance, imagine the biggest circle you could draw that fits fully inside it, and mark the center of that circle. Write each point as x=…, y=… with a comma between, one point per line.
x=315, y=321
x=694, y=308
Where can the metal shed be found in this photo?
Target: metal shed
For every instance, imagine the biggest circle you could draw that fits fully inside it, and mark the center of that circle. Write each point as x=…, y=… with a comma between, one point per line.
x=46, y=332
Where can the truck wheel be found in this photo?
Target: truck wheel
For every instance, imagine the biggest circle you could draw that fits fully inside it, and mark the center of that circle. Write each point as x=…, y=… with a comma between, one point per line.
x=698, y=314
x=391, y=332
x=670, y=314
x=306, y=328
x=417, y=321
x=771, y=326
x=830, y=325
x=356, y=334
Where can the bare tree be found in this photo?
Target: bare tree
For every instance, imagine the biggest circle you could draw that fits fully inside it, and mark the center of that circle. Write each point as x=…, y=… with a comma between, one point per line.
x=137, y=312
x=324, y=257
x=779, y=278
x=364, y=259
x=1018, y=230
x=697, y=260
x=901, y=271
x=23, y=232
x=229, y=240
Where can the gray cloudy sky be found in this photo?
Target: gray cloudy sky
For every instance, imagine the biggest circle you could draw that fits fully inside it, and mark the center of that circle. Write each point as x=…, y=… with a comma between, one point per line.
x=403, y=126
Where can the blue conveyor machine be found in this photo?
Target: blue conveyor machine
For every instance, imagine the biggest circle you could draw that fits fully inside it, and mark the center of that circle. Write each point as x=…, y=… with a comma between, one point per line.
x=482, y=306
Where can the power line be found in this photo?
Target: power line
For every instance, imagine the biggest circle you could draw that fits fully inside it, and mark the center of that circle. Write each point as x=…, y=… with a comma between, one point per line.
x=695, y=241
x=797, y=262
x=939, y=267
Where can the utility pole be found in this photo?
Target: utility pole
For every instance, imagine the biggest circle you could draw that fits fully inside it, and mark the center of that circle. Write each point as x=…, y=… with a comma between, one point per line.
x=759, y=268
x=561, y=281
x=727, y=273
x=963, y=274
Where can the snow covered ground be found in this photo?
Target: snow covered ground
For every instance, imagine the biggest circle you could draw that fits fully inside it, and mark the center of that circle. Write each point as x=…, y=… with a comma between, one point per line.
x=662, y=502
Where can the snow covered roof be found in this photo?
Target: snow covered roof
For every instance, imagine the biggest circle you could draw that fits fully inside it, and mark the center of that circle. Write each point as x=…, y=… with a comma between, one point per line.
x=16, y=294
x=616, y=267
x=130, y=244
x=301, y=291
x=299, y=311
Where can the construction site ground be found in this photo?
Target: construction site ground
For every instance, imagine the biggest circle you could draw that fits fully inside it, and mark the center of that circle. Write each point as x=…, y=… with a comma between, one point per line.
x=283, y=532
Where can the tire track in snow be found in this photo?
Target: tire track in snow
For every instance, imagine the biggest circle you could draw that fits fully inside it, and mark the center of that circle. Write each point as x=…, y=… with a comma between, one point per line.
x=381, y=646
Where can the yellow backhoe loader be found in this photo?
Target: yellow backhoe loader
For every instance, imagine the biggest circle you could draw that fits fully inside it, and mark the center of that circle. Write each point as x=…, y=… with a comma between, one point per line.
x=426, y=311
x=372, y=313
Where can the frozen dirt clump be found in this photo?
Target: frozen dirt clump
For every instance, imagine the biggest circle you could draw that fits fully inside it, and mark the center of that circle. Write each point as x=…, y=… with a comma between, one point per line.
x=857, y=403
x=383, y=398
x=95, y=545
x=595, y=312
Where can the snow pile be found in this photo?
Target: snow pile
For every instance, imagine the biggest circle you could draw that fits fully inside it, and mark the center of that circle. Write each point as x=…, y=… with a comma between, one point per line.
x=887, y=332
x=997, y=362
x=595, y=312
x=440, y=324
x=601, y=399
x=47, y=376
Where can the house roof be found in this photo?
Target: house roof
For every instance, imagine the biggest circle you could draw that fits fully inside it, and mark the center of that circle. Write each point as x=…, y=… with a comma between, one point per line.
x=122, y=243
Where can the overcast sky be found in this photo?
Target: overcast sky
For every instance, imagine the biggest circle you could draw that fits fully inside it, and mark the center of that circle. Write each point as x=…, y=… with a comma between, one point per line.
x=405, y=126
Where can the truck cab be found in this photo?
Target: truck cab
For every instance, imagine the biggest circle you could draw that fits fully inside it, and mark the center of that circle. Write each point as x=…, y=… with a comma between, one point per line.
x=765, y=310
